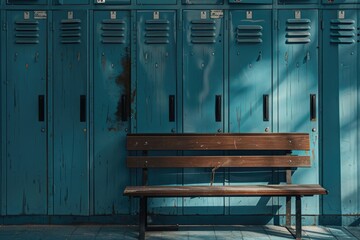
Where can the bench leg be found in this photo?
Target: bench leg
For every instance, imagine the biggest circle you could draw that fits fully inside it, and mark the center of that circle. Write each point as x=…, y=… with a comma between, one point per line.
x=298, y=218
x=288, y=211
x=142, y=218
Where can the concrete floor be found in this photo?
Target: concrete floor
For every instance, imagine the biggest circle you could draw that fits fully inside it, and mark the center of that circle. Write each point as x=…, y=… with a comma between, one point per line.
x=107, y=232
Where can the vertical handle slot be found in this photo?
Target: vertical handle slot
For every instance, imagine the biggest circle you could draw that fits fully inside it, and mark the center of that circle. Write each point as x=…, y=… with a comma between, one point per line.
x=41, y=110
x=313, y=107
x=172, y=108
x=266, y=108
x=82, y=108
x=218, y=108
x=124, y=108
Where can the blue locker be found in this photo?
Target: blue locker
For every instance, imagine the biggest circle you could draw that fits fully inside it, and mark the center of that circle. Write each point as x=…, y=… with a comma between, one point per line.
x=111, y=110
x=340, y=111
x=68, y=2
x=156, y=72
x=203, y=91
x=144, y=2
x=26, y=129
x=202, y=1
x=156, y=90
x=203, y=71
x=113, y=2
x=26, y=2
x=70, y=113
x=298, y=87
x=250, y=88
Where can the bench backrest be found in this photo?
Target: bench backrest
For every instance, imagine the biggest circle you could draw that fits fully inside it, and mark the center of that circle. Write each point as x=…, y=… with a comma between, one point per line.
x=272, y=143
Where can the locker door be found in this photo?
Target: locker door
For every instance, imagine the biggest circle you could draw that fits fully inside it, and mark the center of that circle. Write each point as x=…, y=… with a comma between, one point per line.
x=203, y=88
x=298, y=87
x=144, y=2
x=340, y=112
x=298, y=1
x=203, y=71
x=26, y=144
x=68, y=2
x=111, y=101
x=250, y=67
x=250, y=88
x=202, y=1
x=251, y=1
x=156, y=72
x=112, y=2
x=339, y=1
x=71, y=163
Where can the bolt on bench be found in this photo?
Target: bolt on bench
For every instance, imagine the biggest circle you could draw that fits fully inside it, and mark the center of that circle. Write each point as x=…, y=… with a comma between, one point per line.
x=271, y=143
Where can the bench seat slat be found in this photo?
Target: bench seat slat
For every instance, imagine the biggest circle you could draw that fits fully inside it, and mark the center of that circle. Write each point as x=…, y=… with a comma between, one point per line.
x=213, y=191
x=217, y=161
x=270, y=141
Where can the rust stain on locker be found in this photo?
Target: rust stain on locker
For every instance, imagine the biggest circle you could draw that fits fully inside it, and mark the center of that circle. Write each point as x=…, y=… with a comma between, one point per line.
x=123, y=80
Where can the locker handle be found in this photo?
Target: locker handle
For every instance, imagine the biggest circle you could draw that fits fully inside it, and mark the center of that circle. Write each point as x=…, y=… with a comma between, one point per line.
x=313, y=107
x=82, y=108
x=172, y=108
x=218, y=108
x=124, y=108
x=41, y=101
x=265, y=107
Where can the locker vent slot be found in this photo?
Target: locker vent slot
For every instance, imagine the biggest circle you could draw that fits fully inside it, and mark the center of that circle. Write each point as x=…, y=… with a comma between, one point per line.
x=27, y=32
x=203, y=32
x=70, y=31
x=157, y=31
x=298, y=31
x=249, y=34
x=342, y=31
x=113, y=31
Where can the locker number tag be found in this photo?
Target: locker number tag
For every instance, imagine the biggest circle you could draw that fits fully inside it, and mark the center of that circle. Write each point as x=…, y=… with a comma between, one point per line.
x=249, y=15
x=203, y=15
x=100, y=1
x=341, y=14
x=70, y=15
x=113, y=15
x=216, y=14
x=297, y=14
x=156, y=15
x=26, y=15
x=40, y=15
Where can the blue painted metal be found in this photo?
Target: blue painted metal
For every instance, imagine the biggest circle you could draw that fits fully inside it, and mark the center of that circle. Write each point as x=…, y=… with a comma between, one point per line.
x=111, y=2
x=26, y=2
x=156, y=71
x=298, y=1
x=147, y=2
x=202, y=1
x=251, y=1
x=340, y=111
x=26, y=172
x=297, y=80
x=68, y=2
x=250, y=78
x=203, y=71
x=71, y=161
x=111, y=88
x=339, y=1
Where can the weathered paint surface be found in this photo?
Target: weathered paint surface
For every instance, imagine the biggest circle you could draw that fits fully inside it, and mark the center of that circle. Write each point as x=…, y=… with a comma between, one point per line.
x=26, y=175
x=71, y=152
x=340, y=115
x=297, y=80
x=111, y=83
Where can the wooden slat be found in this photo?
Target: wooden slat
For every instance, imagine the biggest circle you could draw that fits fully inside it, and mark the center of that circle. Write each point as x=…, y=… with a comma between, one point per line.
x=214, y=191
x=268, y=141
x=216, y=161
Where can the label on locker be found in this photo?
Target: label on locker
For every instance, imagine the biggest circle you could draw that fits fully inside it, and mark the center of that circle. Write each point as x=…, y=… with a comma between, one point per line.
x=216, y=14
x=26, y=15
x=100, y=1
x=341, y=14
x=297, y=14
x=156, y=15
x=249, y=15
x=113, y=15
x=70, y=15
x=203, y=15
x=40, y=14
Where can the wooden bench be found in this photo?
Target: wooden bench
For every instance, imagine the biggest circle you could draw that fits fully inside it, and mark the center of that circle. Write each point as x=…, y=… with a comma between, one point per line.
x=274, y=144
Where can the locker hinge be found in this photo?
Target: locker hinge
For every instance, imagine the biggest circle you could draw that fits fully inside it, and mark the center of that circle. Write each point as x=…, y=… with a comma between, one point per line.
x=322, y=25
x=4, y=26
x=276, y=24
